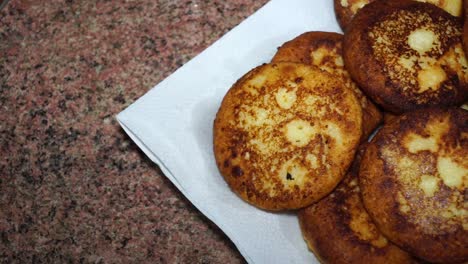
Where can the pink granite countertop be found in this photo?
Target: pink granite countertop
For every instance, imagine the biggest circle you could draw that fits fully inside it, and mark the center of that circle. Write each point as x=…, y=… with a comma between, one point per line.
x=73, y=187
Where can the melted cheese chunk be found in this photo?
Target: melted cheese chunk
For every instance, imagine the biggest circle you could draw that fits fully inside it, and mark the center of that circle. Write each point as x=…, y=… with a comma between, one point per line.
x=299, y=132
x=422, y=40
x=285, y=98
x=415, y=143
x=431, y=78
x=429, y=184
x=453, y=174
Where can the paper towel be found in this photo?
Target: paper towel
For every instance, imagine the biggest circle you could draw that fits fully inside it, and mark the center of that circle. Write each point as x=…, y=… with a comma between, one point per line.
x=173, y=124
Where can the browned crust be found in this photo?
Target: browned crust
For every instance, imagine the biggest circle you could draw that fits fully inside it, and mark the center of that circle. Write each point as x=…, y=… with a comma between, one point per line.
x=421, y=228
x=344, y=15
x=389, y=117
x=248, y=176
x=371, y=74
x=339, y=230
x=300, y=50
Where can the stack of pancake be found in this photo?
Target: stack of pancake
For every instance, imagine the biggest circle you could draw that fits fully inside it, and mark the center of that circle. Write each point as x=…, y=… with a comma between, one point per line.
x=293, y=134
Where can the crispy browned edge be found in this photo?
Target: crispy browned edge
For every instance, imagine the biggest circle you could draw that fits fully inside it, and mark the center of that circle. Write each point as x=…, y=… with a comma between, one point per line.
x=298, y=50
x=366, y=71
x=343, y=15
x=378, y=190
x=266, y=204
x=325, y=228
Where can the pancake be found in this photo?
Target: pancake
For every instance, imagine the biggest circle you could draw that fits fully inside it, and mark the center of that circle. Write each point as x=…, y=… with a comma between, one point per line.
x=346, y=9
x=285, y=135
x=407, y=55
x=339, y=230
x=414, y=178
x=324, y=50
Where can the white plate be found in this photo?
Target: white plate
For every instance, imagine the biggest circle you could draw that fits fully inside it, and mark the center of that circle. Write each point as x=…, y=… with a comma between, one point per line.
x=173, y=122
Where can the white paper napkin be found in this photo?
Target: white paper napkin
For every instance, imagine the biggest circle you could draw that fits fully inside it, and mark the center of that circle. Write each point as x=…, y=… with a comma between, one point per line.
x=173, y=123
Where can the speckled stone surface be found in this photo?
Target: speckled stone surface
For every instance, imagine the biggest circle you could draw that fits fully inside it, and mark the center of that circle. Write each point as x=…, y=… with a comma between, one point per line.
x=73, y=187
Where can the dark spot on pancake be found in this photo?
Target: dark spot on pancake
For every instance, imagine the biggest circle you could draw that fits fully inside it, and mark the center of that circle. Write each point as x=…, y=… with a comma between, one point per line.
x=289, y=177
x=400, y=223
x=329, y=60
x=387, y=184
x=234, y=154
x=226, y=163
x=325, y=43
x=298, y=80
x=237, y=171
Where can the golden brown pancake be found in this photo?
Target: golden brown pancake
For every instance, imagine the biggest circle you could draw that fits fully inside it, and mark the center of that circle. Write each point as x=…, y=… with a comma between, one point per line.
x=414, y=179
x=324, y=50
x=285, y=135
x=346, y=9
x=339, y=230
x=407, y=55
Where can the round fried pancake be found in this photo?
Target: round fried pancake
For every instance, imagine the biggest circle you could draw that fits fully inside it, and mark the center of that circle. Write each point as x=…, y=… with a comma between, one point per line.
x=339, y=230
x=324, y=50
x=407, y=55
x=285, y=135
x=414, y=178
x=346, y=9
